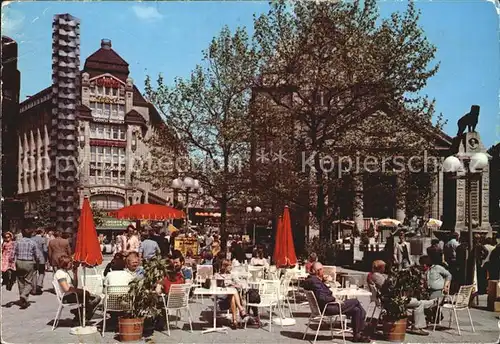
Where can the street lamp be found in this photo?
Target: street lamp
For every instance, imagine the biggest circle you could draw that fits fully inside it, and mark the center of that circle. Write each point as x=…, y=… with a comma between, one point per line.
x=255, y=210
x=471, y=170
x=189, y=185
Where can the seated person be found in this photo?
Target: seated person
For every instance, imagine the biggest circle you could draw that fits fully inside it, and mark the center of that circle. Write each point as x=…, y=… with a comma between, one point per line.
x=259, y=260
x=232, y=302
x=377, y=277
x=350, y=307
x=313, y=257
x=190, y=261
x=179, y=266
x=174, y=276
x=437, y=277
x=207, y=258
x=238, y=255
x=67, y=286
x=117, y=263
x=130, y=270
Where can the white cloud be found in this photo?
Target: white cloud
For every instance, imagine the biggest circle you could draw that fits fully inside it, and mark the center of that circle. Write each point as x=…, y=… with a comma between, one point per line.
x=12, y=21
x=147, y=13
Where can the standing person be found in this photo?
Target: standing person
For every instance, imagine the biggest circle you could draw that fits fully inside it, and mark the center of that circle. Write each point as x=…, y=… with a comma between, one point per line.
x=133, y=242
x=41, y=245
x=49, y=236
x=27, y=255
x=8, y=260
x=160, y=239
x=489, y=246
x=450, y=257
x=58, y=247
x=148, y=247
x=402, y=252
x=494, y=262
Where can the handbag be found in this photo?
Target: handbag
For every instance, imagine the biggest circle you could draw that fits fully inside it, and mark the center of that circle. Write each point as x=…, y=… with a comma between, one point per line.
x=207, y=284
x=253, y=296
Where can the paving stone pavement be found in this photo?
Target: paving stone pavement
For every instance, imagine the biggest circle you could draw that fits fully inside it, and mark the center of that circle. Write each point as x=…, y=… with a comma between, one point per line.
x=34, y=325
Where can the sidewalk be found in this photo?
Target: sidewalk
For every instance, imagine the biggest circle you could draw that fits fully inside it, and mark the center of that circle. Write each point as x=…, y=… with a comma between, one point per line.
x=34, y=325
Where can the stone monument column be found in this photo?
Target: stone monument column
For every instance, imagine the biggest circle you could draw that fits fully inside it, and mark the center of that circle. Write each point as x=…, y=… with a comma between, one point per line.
x=400, y=197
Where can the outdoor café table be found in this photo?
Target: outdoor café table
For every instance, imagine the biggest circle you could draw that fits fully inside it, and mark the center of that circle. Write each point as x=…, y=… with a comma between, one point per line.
x=345, y=274
x=343, y=293
x=217, y=291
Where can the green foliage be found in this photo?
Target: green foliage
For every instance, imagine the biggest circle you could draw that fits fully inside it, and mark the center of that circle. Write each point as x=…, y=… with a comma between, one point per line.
x=324, y=249
x=42, y=211
x=398, y=290
x=209, y=114
x=98, y=215
x=145, y=302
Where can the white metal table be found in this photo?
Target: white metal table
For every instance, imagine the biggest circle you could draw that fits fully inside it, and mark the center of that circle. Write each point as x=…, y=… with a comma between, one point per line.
x=216, y=291
x=350, y=292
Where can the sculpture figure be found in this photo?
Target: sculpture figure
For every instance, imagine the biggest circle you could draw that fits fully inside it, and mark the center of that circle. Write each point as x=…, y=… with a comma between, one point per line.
x=469, y=120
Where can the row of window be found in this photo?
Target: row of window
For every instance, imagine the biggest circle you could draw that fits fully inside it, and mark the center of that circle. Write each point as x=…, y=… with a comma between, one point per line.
x=105, y=110
x=106, y=176
x=109, y=132
x=103, y=90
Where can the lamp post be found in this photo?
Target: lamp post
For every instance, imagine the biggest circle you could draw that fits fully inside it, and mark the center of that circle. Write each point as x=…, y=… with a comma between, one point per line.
x=470, y=170
x=249, y=211
x=189, y=185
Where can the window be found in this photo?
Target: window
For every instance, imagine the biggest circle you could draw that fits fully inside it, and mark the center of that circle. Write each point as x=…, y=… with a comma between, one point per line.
x=108, y=202
x=107, y=165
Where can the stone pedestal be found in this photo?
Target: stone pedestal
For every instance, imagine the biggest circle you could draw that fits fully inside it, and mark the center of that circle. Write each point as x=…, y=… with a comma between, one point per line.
x=358, y=201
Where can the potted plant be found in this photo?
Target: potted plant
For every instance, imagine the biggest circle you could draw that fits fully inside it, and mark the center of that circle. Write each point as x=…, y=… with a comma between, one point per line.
x=396, y=293
x=145, y=305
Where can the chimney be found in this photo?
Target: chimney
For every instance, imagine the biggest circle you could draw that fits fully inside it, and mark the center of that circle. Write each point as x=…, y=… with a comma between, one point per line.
x=106, y=43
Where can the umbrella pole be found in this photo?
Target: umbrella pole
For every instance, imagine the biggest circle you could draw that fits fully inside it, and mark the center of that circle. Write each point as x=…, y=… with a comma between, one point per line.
x=84, y=279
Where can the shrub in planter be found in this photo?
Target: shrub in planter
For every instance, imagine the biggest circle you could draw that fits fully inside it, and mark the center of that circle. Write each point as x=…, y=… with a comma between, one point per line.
x=144, y=301
x=396, y=293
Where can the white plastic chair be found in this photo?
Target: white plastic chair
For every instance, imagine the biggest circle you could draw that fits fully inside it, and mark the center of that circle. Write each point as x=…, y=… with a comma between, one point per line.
x=269, y=292
x=94, y=284
x=459, y=302
x=374, y=301
x=318, y=316
x=256, y=273
x=116, y=299
x=60, y=296
x=203, y=272
x=177, y=300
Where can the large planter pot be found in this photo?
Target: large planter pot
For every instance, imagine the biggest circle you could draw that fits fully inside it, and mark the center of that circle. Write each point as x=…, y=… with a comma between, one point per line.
x=395, y=331
x=130, y=329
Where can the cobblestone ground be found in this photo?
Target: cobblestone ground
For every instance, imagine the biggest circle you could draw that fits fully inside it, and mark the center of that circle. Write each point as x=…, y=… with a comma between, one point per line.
x=34, y=325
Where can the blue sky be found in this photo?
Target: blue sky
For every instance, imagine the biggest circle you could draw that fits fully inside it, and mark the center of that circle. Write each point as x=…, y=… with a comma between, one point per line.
x=168, y=37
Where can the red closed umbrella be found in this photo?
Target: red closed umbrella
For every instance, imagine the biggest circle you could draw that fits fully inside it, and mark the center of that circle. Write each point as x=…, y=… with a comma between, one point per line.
x=285, y=249
x=148, y=212
x=87, y=249
x=278, y=244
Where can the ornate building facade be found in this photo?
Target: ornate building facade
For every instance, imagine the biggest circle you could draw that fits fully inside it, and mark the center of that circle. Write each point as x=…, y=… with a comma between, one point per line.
x=112, y=123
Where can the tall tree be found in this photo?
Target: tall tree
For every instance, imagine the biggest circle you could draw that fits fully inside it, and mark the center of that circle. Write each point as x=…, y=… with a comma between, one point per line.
x=209, y=113
x=345, y=84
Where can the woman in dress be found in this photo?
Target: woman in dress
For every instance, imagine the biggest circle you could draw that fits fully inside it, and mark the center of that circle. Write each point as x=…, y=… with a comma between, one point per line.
x=8, y=260
x=232, y=302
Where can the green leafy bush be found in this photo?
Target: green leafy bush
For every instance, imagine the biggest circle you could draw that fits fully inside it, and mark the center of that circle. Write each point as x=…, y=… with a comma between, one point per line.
x=144, y=299
x=398, y=290
x=324, y=249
